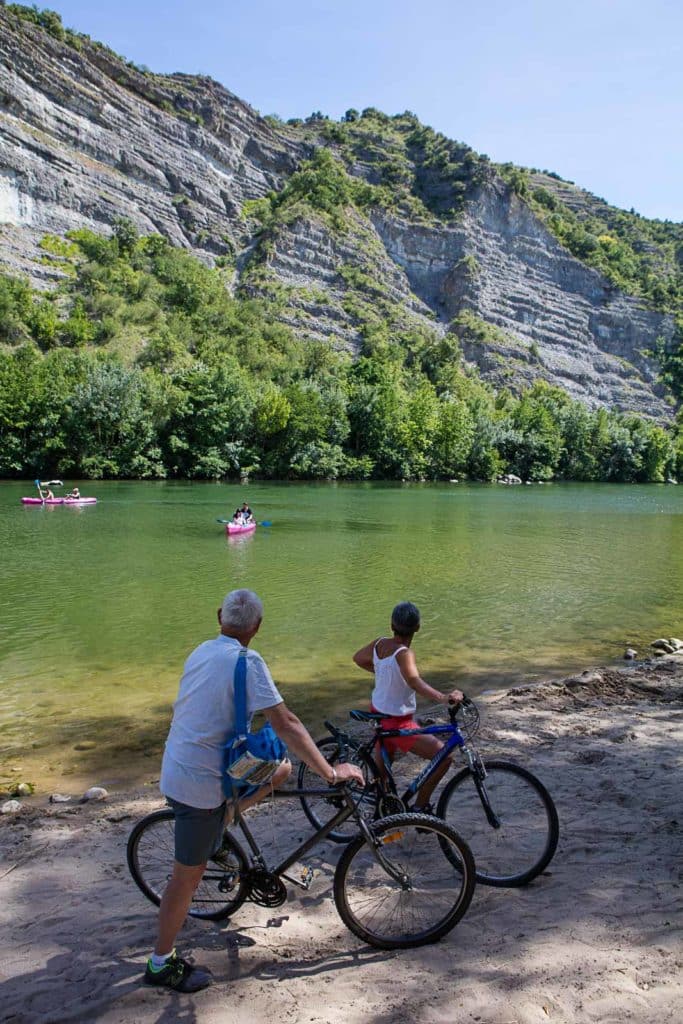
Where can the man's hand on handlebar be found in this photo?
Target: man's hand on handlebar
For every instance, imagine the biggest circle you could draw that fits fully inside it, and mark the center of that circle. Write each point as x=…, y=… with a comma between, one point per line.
x=454, y=697
x=349, y=773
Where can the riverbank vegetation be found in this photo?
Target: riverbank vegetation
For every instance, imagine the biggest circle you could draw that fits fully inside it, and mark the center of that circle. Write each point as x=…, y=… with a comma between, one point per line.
x=368, y=160
x=142, y=364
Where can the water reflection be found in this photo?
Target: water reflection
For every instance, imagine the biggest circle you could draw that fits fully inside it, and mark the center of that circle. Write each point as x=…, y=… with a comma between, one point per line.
x=236, y=540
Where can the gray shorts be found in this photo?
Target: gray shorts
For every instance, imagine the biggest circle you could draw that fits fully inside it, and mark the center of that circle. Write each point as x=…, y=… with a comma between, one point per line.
x=198, y=832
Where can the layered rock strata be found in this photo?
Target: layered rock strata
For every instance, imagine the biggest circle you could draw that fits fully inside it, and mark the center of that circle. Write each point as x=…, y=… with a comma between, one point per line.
x=85, y=138
x=562, y=321
x=79, y=148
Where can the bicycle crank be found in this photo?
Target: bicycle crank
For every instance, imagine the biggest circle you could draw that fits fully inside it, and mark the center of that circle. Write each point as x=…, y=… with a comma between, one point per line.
x=266, y=889
x=389, y=805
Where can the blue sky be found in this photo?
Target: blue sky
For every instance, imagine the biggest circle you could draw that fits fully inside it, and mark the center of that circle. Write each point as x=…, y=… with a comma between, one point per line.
x=591, y=89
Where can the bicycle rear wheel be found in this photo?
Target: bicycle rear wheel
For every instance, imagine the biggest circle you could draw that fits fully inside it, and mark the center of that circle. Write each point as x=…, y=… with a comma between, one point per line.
x=319, y=809
x=151, y=851
x=426, y=900
x=508, y=818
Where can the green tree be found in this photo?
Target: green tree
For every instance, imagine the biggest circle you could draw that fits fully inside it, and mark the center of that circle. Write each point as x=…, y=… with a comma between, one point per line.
x=206, y=430
x=533, y=444
x=452, y=439
x=110, y=424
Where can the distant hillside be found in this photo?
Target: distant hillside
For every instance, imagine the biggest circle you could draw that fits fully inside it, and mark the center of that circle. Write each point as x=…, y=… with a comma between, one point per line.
x=374, y=240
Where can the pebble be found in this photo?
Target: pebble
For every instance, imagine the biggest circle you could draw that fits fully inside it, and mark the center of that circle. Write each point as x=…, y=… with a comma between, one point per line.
x=85, y=745
x=23, y=789
x=630, y=654
x=59, y=798
x=94, y=793
x=11, y=807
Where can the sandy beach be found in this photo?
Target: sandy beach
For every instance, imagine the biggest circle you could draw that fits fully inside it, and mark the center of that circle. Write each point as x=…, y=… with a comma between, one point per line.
x=597, y=938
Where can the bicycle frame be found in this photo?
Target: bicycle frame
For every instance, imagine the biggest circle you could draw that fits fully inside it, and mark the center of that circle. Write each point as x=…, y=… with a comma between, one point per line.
x=456, y=740
x=345, y=812
x=451, y=730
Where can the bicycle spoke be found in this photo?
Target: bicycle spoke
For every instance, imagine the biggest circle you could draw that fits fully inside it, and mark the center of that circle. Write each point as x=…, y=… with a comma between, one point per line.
x=426, y=898
x=320, y=809
x=151, y=853
x=525, y=839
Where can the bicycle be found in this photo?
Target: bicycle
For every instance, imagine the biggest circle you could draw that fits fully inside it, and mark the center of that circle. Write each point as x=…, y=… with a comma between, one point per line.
x=393, y=887
x=505, y=812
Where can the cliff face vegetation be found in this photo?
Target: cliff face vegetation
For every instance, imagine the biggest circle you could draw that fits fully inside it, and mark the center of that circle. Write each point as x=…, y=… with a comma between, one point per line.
x=369, y=243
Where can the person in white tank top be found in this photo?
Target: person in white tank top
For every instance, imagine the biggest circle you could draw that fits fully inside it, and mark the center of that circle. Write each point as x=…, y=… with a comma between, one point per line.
x=397, y=684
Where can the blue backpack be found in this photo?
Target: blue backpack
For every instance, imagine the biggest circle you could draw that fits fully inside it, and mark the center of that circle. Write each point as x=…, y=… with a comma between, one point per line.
x=250, y=758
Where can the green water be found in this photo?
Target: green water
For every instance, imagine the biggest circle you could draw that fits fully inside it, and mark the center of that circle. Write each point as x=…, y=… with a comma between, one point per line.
x=99, y=606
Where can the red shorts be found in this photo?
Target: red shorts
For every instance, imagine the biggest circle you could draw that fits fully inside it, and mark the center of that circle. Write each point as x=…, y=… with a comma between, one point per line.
x=396, y=743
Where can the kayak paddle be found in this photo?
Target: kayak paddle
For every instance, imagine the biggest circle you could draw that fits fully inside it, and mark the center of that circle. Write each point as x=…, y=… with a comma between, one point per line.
x=266, y=522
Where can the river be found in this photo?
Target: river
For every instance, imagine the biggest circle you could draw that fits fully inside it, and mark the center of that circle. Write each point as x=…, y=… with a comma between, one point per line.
x=100, y=605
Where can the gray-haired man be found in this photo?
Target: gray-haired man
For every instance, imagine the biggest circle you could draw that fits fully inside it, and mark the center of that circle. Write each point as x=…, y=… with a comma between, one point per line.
x=192, y=768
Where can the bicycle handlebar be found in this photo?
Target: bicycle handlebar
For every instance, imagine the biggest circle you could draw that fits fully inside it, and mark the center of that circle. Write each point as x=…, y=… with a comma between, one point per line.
x=455, y=705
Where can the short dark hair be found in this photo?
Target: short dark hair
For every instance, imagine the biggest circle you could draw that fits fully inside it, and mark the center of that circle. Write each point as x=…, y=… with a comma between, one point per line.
x=405, y=618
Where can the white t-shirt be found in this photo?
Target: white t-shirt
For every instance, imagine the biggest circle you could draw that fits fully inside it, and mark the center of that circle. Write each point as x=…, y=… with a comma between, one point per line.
x=204, y=719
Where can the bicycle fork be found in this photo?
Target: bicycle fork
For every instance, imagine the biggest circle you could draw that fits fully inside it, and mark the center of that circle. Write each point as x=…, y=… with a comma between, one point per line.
x=375, y=845
x=478, y=771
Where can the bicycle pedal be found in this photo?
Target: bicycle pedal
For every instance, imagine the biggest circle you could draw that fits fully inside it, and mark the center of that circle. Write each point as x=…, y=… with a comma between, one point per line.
x=306, y=876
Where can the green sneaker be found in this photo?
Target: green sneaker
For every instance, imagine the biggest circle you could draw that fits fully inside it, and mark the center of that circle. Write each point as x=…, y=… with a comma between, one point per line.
x=177, y=974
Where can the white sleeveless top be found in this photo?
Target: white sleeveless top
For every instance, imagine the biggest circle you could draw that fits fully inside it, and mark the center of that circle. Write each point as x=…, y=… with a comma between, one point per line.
x=391, y=695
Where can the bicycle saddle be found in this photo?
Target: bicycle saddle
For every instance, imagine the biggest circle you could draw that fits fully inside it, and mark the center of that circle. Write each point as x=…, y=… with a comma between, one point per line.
x=366, y=716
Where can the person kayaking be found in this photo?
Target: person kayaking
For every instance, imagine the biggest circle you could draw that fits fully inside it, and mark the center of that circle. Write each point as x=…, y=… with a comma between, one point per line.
x=74, y=493
x=46, y=495
x=245, y=512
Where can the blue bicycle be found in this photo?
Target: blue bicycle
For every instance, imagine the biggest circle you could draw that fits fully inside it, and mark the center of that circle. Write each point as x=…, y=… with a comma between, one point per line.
x=503, y=811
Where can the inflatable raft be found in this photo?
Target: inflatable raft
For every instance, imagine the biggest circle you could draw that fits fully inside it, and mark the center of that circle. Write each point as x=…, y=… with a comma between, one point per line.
x=232, y=528
x=59, y=501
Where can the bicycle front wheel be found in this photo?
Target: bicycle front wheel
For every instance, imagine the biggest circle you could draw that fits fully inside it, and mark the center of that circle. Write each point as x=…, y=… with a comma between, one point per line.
x=151, y=852
x=508, y=818
x=319, y=809
x=400, y=891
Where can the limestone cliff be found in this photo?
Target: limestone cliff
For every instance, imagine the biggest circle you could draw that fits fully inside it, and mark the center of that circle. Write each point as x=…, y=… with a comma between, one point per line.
x=86, y=137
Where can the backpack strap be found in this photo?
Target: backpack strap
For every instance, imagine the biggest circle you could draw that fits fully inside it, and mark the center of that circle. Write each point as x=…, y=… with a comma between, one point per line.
x=240, y=685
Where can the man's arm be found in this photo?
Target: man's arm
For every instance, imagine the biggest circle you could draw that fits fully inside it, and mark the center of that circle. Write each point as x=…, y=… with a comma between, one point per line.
x=294, y=733
x=408, y=665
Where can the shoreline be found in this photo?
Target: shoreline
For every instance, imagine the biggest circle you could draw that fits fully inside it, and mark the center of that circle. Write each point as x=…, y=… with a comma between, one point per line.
x=595, y=938
x=131, y=769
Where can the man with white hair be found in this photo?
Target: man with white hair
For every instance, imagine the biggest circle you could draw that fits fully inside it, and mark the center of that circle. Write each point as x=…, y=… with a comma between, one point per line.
x=192, y=769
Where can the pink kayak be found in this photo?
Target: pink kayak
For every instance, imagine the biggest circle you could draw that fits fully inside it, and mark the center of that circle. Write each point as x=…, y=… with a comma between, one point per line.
x=232, y=528
x=59, y=501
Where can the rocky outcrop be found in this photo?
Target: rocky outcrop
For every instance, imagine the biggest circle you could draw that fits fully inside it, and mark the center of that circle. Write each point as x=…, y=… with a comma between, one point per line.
x=80, y=146
x=86, y=137
x=315, y=268
x=561, y=321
